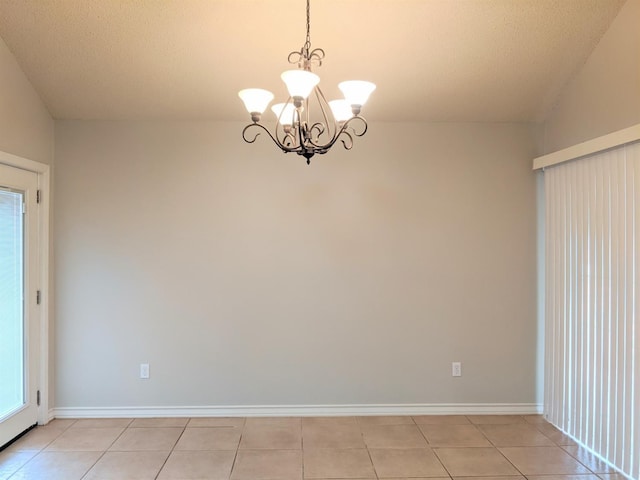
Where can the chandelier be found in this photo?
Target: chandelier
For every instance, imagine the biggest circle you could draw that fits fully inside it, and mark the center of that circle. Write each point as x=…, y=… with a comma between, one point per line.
x=307, y=123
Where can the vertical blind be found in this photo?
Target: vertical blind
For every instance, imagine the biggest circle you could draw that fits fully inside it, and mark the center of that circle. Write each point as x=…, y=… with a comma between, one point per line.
x=592, y=249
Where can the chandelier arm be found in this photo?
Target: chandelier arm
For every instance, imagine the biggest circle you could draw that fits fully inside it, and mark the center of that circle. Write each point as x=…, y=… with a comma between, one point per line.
x=365, y=126
x=328, y=124
x=302, y=131
x=289, y=100
x=306, y=112
x=280, y=145
x=318, y=127
x=323, y=148
x=277, y=135
x=329, y=119
x=347, y=145
x=244, y=132
x=287, y=135
x=289, y=141
x=344, y=131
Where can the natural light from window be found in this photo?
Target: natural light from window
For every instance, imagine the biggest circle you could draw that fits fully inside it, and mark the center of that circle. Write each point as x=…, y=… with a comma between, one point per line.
x=11, y=294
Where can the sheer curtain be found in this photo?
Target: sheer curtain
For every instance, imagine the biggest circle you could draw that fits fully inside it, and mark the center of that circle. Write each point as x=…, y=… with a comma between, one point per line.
x=592, y=345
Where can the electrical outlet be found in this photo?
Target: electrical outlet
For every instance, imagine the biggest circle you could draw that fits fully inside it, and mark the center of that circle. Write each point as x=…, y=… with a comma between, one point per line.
x=144, y=370
x=456, y=369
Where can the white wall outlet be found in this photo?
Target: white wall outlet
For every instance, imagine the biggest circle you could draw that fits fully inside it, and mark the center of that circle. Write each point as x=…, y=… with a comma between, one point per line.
x=144, y=370
x=456, y=369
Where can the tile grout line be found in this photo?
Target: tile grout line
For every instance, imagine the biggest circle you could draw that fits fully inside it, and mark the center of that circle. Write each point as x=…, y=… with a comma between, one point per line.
x=483, y=434
x=235, y=457
x=373, y=465
x=39, y=451
x=106, y=449
x=173, y=448
x=501, y=453
x=433, y=450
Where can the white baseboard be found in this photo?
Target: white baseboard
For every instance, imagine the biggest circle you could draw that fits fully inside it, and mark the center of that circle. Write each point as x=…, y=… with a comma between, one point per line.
x=300, y=410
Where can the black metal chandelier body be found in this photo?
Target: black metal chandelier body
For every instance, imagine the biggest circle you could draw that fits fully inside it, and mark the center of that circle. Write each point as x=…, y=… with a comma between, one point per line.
x=308, y=124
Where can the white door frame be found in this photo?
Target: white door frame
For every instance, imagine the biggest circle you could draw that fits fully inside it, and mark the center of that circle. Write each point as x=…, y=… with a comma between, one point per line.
x=44, y=178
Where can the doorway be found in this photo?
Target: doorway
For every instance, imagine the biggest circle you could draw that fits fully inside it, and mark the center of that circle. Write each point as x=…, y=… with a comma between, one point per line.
x=20, y=298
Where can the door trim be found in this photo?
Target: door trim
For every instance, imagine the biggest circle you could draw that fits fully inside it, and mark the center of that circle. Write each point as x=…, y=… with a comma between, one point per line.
x=44, y=179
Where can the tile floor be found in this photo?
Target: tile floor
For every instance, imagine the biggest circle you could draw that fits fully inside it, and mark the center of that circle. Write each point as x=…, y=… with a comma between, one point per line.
x=510, y=447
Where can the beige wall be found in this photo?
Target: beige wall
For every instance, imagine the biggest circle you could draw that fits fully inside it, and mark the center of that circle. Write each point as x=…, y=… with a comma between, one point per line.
x=245, y=277
x=26, y=128
x=604, y=96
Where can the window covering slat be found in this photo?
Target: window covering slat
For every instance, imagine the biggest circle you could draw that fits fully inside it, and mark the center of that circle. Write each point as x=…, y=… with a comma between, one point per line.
x=592, y=359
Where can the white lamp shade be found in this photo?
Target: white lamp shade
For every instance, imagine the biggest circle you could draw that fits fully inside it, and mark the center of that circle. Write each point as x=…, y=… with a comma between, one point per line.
x=300, y=82
x=255, y=100
x=356, y=92
x=341, y=110
x=285, y=112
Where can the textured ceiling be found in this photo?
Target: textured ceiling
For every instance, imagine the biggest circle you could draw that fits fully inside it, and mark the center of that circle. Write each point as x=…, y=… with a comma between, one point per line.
x=435, y=60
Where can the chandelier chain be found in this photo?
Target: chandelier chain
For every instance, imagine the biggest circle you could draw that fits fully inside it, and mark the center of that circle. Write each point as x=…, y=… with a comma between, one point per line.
x=307, y=44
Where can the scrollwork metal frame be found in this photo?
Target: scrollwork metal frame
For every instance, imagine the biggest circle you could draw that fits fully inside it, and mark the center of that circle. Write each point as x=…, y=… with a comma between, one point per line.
x=308, y=139
x=302, y=136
